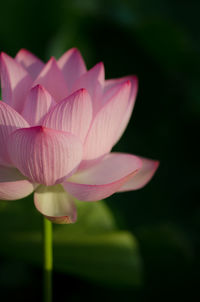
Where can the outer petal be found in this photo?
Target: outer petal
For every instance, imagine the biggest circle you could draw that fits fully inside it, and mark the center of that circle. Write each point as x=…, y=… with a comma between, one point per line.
x=53, y=80
x=102, y=133
x=44, y=155
x=10, y=120
x=54, y=203
x=13, y=185
x=38, y=103
x=104, y=178
x=30, y=62
x=72, y=66
x=140, y=179
x=110, y=87
x=93, y=81
x=73, y=114
x=15, y=82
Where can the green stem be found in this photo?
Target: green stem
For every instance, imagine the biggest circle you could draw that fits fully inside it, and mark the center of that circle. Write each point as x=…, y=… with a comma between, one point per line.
x=48, y=260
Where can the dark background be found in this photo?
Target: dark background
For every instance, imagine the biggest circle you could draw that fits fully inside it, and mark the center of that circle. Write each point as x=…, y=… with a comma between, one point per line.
x=159, y=42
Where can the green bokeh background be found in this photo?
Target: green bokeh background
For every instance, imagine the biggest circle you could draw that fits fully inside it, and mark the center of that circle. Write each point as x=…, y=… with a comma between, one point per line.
x=141, y=245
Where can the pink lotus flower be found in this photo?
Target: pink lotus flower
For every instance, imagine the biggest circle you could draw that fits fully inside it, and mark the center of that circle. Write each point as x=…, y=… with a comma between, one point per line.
x=58, y=124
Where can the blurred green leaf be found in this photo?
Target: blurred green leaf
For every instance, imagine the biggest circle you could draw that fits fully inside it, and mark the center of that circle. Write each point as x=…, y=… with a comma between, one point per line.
x=164, y=247
x=92, y=248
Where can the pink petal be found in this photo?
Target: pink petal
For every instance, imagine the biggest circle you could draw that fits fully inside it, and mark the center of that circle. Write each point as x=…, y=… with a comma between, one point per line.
x=72, y=66
x=13, y=185
x=73, y=114
x=102, y=133
x=104, y=178
x=93, y=81
x=55, y=204
x=10, y=120
x=15, y=82
x=110, y=86
x=140, y=179
x=30, y=62
x=38, y=103
x=44, y=155
x=53, y=80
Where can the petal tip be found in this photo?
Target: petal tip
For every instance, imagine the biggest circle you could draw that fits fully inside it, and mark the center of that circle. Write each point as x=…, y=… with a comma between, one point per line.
x=3, y=54
x=156, y=164
x=52, y=60
x=23, y=51
x=74, y=50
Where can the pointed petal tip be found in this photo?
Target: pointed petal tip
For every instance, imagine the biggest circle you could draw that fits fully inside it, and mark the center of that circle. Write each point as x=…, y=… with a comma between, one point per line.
x=52, y=60
x=3, y=54
x=157, y=164
x=38, y=87
x=24, y=51
x=74, y=50
x=99, y=68
x=124, y=85
x=3, y=57
x=80, y=91
x=142, y=177
x=99, y=65
x=135, y=81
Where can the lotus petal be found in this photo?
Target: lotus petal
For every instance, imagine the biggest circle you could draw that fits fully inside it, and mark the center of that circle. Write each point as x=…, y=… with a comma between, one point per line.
x=15, y=82
x=30, y=62
x=73, y=114
x=102, y=133
x=53, y=80
x=13, y=184
x=44, y=155
x=93, y=81
x=38, y=103
x=72, y=66
x=140, y=179
x=10, y=120
x=104, y=178
x=55, y=204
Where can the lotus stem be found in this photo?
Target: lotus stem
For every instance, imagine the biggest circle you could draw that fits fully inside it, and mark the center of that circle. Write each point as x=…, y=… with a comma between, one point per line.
x=48, y=260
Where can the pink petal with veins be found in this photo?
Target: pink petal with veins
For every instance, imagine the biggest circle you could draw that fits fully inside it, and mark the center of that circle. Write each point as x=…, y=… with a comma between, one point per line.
x=30, y=62
x=10, y=120
x=44, y=155
x=93, y=81
x=101, y=136
x=72, y=66
x=110, y=86
x=15, y=82
x=53, y=80
x=73, y=114
x=104, y=178
x=38, y=103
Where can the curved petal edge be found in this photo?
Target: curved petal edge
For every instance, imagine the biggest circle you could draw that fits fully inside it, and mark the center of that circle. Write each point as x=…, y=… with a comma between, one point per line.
x=144, y=175
x=104, y=178
x=13, y=185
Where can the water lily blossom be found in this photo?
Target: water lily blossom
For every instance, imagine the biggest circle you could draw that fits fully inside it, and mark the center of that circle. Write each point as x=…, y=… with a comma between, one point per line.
x=58, y=125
